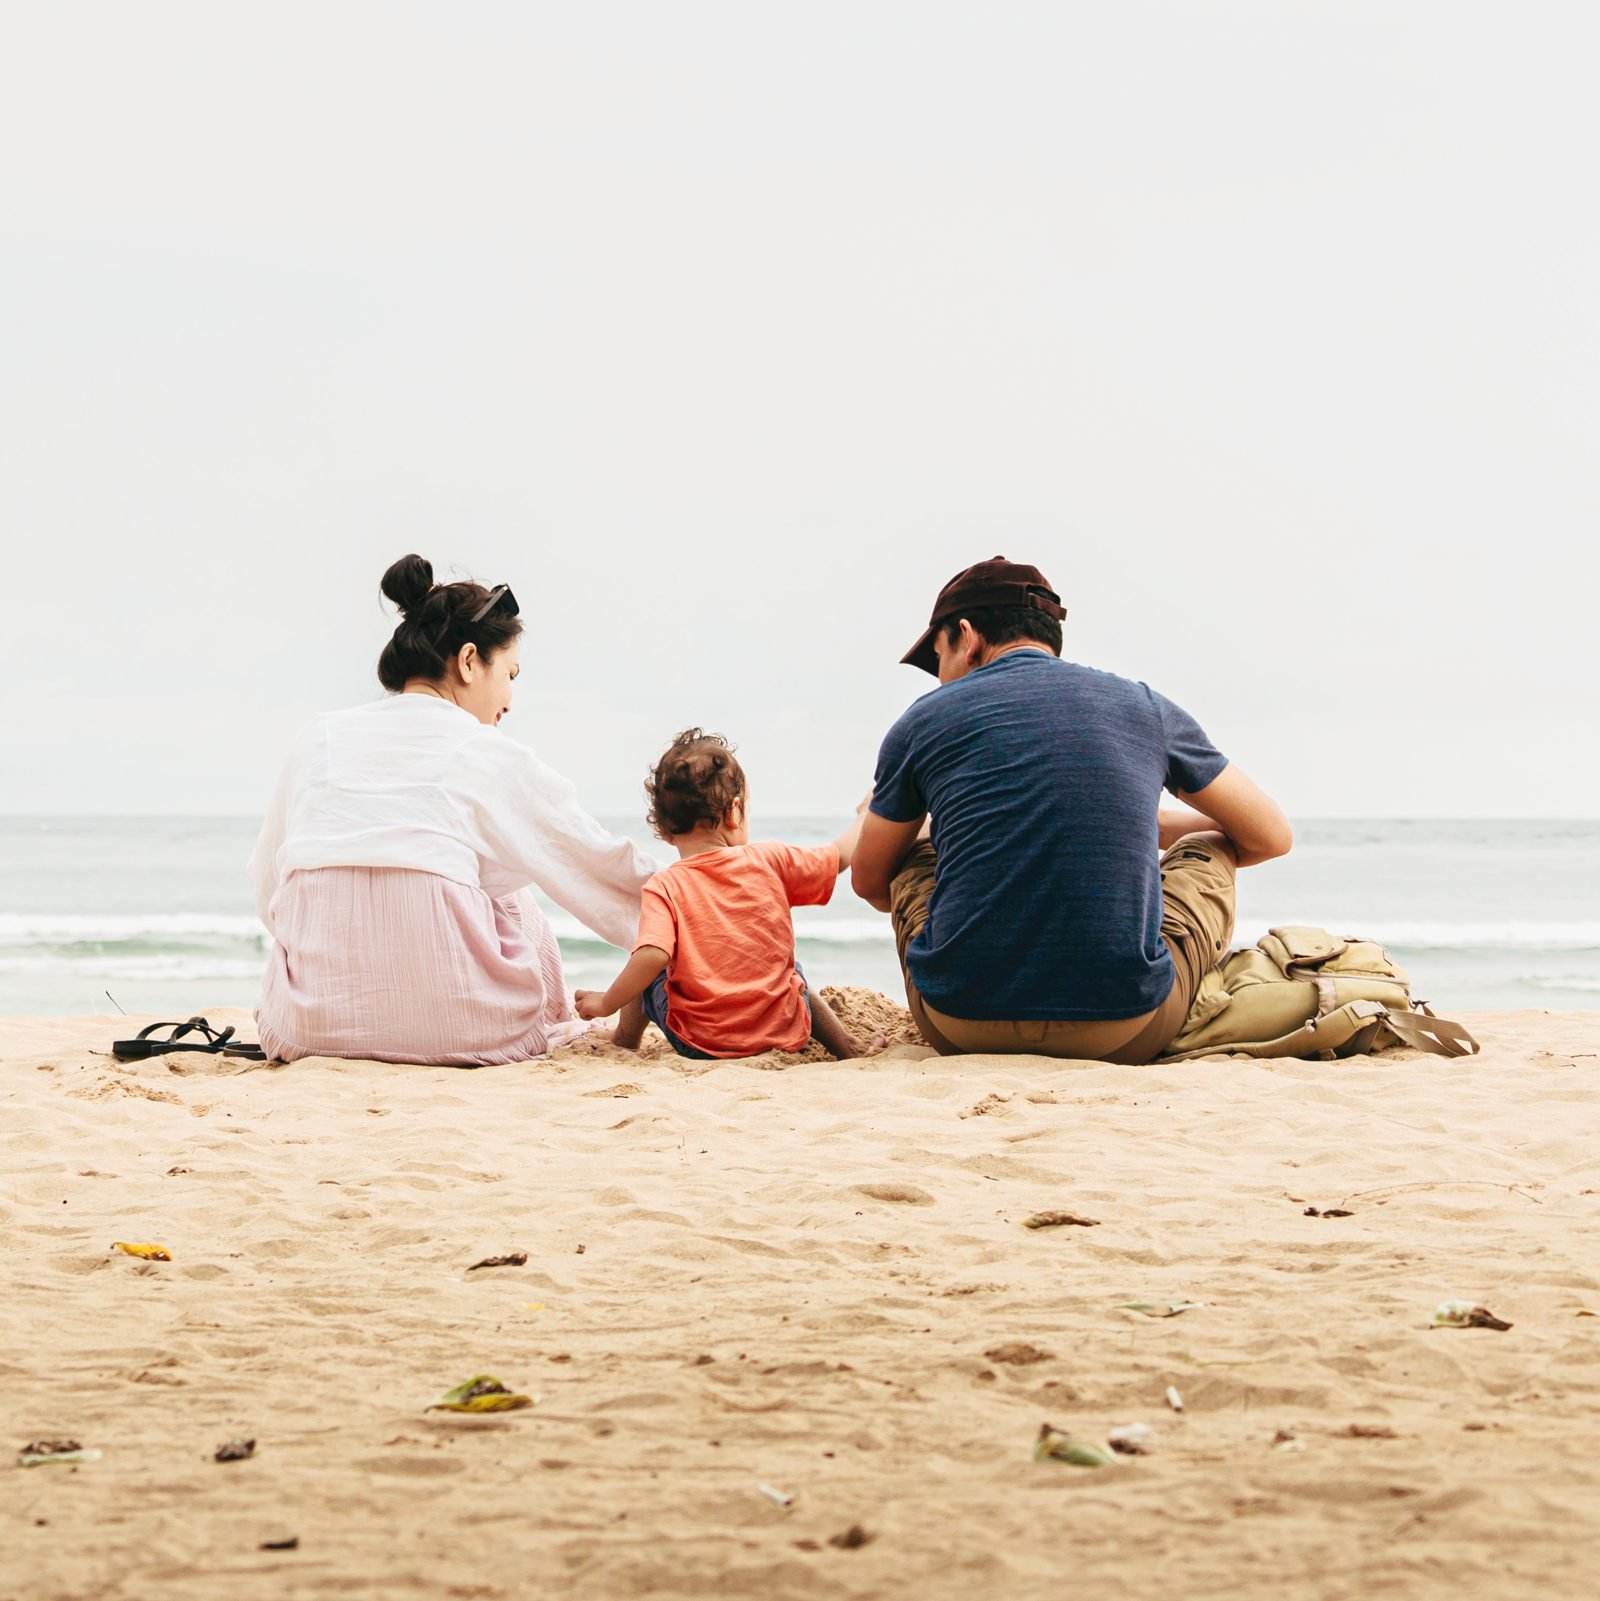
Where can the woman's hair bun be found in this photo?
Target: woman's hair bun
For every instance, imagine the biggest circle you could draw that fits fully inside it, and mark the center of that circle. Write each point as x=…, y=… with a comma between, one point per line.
x=408, y=581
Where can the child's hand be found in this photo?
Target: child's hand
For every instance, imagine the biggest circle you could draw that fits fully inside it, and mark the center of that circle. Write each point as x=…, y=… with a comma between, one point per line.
x=590, y=1004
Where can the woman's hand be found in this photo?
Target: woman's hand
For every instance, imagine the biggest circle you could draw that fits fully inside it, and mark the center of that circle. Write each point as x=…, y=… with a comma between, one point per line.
x=591, y=1004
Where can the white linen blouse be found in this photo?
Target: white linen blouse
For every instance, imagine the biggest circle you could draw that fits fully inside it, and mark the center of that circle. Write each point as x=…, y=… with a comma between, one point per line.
x=413, y=781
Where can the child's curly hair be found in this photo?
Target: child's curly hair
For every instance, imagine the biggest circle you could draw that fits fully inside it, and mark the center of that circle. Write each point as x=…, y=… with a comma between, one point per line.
x=696, y=781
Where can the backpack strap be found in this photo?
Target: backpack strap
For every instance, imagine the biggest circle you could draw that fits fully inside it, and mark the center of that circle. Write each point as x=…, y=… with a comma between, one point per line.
x=1347, y=1030
x=1436, y=1035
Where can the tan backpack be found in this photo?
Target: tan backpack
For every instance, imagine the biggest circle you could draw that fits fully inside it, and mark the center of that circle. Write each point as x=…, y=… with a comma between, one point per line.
x=1305, y=992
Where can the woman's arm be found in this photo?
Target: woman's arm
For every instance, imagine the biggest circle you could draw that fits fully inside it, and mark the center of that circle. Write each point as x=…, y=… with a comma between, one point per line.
x=262, y=868
x=532, y=829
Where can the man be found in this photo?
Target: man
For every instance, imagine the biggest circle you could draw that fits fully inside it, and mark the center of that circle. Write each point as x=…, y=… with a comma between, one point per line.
x=1057, y=908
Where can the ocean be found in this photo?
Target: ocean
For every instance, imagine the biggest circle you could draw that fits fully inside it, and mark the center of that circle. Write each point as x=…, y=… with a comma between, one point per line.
x=154, y=911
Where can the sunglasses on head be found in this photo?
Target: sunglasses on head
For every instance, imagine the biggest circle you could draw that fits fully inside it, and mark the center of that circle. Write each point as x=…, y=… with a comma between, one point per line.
x=500, y=599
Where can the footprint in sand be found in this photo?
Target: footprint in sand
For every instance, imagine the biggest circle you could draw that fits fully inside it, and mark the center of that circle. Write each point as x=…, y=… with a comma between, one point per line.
x=412, y=1467
x=904, y=1194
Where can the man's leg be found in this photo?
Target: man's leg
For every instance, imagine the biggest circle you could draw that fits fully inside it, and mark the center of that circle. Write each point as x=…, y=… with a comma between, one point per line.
x=909, y=893
x=1199, y=893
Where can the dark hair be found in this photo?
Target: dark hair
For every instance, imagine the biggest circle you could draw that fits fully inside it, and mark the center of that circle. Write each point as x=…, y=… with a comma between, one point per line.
x=696, y=781
x=435, y=622
x=1004, y=625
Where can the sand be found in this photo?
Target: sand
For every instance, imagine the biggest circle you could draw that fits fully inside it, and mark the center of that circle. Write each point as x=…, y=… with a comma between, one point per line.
x=814, y=1277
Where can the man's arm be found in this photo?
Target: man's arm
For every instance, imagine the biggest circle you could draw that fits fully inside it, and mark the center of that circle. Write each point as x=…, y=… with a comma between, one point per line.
x=878, y=852
x=1251, y=820
x=1173, y=822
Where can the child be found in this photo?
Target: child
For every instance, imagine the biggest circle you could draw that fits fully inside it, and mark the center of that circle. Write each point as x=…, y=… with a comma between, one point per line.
x=713, y=967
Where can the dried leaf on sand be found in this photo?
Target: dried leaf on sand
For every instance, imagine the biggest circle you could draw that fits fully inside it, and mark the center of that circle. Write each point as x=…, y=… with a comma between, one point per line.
x=1159, y=1308
x=1058, y=1220
x=511, y=1259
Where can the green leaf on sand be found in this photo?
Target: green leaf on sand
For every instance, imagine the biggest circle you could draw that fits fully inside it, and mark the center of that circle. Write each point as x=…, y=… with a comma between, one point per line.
x=1055, y=1446
x=41, y=1453
x=481, y=1393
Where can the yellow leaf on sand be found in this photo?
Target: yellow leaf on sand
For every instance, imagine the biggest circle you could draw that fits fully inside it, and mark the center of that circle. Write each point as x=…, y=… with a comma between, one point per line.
x=149, y=1253
x=484, y=1403
x=481, y=1393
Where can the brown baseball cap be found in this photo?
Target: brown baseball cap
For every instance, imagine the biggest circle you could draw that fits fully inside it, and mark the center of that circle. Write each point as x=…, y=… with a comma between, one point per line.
x=996, y=582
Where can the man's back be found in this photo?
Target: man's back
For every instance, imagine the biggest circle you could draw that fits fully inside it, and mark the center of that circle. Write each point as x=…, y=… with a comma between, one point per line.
x=1043, y=779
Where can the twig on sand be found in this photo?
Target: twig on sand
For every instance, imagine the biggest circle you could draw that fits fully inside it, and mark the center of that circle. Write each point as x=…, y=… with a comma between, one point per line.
x=1444, y=1184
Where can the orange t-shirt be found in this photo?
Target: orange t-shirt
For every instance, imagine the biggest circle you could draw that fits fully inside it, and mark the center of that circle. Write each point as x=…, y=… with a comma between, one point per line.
x=722, y=917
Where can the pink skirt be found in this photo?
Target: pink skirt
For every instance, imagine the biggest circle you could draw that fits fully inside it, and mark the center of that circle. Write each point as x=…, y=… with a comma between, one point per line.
x=405, y=966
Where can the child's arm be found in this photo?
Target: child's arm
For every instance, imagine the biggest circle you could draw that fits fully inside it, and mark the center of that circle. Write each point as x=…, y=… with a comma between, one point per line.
x=641, y=972
x=846, y=842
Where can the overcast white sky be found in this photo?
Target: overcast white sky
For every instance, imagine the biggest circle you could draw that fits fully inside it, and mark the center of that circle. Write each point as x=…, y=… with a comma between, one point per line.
x=726, y=333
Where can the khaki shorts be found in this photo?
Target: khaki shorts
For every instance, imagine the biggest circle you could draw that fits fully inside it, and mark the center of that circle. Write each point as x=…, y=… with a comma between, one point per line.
x=1197, y=890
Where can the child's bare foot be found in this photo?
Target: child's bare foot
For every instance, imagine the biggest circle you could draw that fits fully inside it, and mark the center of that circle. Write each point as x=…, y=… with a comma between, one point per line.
x=835, y=1038
x=629, y=1032
x=853, y=1048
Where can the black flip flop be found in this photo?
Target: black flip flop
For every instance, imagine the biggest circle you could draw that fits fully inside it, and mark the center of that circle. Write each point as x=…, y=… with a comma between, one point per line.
x=213, y=1044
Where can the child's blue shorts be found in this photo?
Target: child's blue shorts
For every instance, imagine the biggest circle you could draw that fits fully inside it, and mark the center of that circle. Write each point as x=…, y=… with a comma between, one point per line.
x=654, y=1000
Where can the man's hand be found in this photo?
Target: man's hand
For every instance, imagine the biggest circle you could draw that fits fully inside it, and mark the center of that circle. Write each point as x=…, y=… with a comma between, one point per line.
x=590, y=1004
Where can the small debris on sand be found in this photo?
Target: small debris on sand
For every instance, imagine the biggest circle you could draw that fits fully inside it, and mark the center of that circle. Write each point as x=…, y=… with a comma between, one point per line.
x=1465, y=1315
x=1018, y=1354
x=1059, y=1220
x=852, y=1539
x=1132, y=1439
x=511, y=1259
x=40, y=1453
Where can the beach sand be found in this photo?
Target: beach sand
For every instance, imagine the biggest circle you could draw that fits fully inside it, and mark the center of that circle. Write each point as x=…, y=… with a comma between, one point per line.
x=814, y=1279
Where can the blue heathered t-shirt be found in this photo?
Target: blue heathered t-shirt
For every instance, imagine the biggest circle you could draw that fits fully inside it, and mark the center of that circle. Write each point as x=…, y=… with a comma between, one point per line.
x=1043, y=779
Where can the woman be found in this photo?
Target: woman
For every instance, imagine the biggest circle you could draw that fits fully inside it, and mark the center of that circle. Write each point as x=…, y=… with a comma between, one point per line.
x=394, y=867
